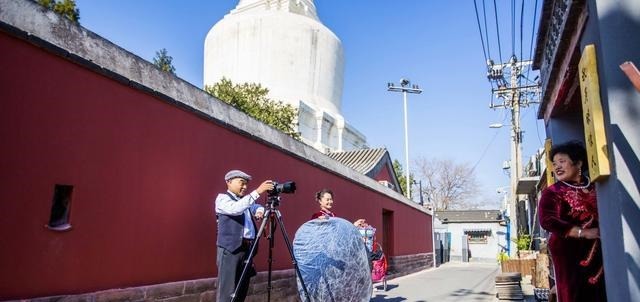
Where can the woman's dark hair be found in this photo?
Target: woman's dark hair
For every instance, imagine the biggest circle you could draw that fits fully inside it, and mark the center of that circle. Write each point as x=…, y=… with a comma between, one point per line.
x=574, y=149
x=322, y=192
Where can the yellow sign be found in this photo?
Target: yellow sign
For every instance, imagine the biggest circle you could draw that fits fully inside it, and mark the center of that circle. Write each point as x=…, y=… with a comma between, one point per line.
x=549, y=162
x=592, y=116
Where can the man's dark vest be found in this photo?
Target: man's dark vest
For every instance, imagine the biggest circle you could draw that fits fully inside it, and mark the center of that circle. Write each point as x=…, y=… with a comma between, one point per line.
x=230, y=229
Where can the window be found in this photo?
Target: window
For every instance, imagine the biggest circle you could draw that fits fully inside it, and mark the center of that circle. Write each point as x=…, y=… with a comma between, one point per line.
x=59, y=219
x=478, y=236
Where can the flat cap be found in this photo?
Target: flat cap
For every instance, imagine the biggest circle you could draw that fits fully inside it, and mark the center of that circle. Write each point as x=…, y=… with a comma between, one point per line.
x=236, y=174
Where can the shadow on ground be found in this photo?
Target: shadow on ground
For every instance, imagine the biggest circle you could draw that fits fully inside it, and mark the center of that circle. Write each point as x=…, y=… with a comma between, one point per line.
x=389, y=287
x=377, y=297
x=470, y=294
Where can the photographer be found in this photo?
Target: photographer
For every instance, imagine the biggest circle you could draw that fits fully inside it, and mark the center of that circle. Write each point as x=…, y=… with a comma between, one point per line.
x=236, y=231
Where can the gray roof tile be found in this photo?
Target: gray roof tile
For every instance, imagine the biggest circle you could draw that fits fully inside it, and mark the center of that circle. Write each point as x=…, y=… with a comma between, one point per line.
x=362, y=160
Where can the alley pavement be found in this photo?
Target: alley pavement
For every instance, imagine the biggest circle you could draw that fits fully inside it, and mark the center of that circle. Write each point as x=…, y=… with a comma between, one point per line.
x=453, y=281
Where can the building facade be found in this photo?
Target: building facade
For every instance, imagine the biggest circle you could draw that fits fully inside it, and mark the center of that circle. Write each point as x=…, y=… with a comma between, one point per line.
x=587, y=53
x=530, y=187
x=476, y=235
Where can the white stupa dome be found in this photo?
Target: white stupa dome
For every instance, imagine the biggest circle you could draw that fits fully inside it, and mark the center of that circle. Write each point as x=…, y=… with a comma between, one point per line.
x=282, y=45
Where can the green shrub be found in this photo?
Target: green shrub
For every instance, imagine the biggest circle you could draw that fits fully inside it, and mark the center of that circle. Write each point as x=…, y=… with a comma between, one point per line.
x=523, y=242
x=502, y=257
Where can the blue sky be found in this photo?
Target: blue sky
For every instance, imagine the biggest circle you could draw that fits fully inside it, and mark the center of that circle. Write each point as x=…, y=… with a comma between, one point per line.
x=435, y=43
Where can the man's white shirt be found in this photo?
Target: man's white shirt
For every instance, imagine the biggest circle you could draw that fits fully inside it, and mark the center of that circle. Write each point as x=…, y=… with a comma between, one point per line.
x=243, y=205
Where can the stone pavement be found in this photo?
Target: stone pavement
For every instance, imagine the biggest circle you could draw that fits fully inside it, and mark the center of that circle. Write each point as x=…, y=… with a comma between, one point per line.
x=453, y=281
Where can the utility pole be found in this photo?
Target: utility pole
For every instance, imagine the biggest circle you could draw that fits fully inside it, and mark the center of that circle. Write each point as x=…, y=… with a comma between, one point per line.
x=516, y=147
x=514, y=96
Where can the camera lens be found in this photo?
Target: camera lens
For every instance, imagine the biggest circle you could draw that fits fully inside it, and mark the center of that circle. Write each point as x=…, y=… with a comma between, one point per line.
x=287, y=187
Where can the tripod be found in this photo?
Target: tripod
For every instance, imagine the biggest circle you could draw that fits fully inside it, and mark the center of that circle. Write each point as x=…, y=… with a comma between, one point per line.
x=273, y=216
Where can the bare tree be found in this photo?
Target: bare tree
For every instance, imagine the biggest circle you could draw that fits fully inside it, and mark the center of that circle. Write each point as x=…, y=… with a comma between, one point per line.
x=449, y=185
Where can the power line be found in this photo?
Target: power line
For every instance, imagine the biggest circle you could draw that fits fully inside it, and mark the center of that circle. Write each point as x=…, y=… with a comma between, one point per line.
x=486, y=28
x=504, y=118
x=537, y=130
x=513, y=27
x=498, y=73
x=495, y=11
x=533, y=28
x=521, y=27
x=485, y=151
x=486, y=50
x=480, y=30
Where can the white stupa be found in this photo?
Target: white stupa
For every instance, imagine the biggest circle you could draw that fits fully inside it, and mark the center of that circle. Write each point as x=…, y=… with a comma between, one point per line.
x=282, y=45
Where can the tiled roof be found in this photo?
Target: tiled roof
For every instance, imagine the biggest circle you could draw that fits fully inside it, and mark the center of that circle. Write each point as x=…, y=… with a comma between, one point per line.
x=469, y=216
x=362, y=160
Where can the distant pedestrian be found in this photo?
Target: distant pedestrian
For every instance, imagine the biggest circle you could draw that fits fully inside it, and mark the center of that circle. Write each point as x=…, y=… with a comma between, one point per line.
x=568, y=209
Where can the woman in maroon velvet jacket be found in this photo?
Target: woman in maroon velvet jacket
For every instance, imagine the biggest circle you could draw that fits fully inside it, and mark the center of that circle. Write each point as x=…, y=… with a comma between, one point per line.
x=325, y=200
x=568, y=209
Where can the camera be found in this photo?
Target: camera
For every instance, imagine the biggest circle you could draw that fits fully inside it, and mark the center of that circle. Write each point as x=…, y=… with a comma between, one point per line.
x=286, y=187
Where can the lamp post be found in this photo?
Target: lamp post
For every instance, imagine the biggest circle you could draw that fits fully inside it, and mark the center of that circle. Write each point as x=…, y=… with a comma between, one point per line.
x=405, y=88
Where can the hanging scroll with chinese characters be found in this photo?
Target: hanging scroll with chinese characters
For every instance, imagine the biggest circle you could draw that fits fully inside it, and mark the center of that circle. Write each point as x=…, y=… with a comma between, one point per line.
x=592, y=116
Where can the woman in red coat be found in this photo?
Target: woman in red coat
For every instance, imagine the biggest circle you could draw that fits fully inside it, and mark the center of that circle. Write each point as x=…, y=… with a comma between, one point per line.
x=325, y=200
x=568, y=210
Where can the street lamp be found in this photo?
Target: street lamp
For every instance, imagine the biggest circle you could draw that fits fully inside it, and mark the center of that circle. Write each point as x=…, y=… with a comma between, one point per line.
x=405, y=88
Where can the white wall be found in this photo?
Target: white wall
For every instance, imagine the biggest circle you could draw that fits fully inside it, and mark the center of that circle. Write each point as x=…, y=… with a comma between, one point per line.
x=485, y=252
